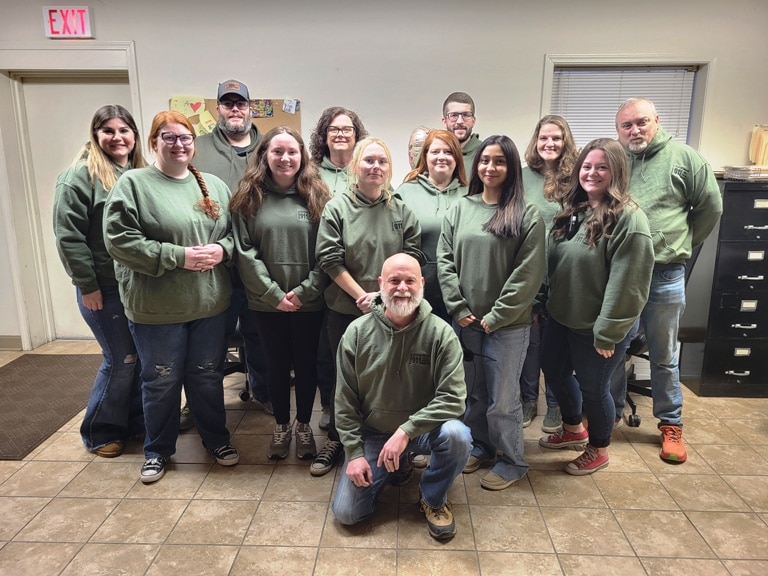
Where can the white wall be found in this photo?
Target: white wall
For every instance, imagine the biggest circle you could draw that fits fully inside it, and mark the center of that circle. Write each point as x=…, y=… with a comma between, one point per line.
x=395, y=61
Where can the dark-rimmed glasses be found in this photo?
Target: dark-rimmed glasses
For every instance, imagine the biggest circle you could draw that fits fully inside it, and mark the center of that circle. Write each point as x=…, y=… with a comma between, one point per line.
x=453, y=116
x=170, y=138
x=343, y=130
x=229, y=104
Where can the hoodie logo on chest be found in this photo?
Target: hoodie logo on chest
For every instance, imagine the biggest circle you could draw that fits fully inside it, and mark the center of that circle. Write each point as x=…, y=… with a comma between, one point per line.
x=302, y=215
x=419, y=359
x=681, y=171
x=397, y=224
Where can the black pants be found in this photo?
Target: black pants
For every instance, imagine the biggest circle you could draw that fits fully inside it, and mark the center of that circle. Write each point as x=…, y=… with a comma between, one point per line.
x=337, y=324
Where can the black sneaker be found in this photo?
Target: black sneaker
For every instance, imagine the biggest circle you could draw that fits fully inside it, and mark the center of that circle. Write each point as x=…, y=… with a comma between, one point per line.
x=226, y=455
x=326, y=459
x=153, y=469
x=439, y=520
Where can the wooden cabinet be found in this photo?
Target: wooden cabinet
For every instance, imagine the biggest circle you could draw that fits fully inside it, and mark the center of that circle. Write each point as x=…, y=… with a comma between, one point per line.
x=735, y=354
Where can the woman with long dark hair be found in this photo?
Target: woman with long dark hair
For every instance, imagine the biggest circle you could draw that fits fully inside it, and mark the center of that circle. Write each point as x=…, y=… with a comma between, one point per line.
x=490, y=262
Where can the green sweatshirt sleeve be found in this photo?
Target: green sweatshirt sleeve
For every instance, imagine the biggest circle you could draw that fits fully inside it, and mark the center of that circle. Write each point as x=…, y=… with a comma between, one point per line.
x=330, y=250
x=71, y=222
x=630, y=257
x=447, y=272
x=412, y=235
x=252, y=269
x=523, y=284
x=706, y=204
x=349, y=420
x=313, y=286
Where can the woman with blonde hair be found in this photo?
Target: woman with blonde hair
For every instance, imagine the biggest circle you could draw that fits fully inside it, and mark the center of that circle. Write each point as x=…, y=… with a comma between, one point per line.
x=358, y=231
x=600, y=265
x=168, y=228
x=275, y=212
x=114, y=412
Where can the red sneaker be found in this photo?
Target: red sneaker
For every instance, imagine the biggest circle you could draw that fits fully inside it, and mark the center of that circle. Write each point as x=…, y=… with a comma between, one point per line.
x=588, y=463
x=562, y=439
x=672, y=446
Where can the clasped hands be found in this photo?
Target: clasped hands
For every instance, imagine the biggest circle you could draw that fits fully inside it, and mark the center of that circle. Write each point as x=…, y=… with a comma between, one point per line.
x=203, y=257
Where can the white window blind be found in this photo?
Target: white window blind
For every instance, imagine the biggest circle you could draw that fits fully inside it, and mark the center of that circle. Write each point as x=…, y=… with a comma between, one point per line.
x=588, y=98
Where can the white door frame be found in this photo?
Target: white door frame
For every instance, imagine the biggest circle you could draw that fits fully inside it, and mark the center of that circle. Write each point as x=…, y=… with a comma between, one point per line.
x=19, y=209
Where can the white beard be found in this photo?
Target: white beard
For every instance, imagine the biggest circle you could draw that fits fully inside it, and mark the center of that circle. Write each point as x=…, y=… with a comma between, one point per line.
x=402, y=309
x=637, y=148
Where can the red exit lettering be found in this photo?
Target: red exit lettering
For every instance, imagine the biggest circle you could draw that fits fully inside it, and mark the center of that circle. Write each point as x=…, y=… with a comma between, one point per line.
x=67, y=22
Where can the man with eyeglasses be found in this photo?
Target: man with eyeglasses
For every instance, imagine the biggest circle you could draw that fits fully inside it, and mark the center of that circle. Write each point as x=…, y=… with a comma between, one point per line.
x=225, y=153
x=459, y=118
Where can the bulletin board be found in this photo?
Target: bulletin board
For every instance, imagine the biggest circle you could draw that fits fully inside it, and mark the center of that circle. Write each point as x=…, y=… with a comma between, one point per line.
x=266, y=113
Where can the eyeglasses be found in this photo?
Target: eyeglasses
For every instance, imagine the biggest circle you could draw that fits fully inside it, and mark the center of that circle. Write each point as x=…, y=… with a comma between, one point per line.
x=170, y=138
x=343, y=130
x=229, y=104
x=453, y=116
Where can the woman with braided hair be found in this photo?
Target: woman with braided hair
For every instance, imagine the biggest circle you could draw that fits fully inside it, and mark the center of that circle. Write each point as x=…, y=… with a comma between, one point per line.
x=168, y=228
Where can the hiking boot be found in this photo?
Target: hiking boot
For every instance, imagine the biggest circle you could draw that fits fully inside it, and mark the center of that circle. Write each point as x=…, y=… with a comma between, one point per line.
x=474, y=463
x=153, y=469
x=672, y=446
x=186, y=421
x=326, y=459
x=110, y=450
x=439, y=520
x=325, y=418
x=553, y=420
x=562, y=439
x=588, y=463
x=226, y=455
x=493, y=481
x=281, y=440
x=402, y=475
x=265, y=405
x=529, y=413
x=305, y=442
x=419, y=460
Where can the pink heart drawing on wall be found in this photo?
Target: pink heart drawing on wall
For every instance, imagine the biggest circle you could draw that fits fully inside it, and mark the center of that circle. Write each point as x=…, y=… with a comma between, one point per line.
x=195, y=106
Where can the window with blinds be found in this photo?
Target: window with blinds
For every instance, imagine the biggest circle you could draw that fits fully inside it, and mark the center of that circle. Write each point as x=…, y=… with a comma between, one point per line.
x=588, y=97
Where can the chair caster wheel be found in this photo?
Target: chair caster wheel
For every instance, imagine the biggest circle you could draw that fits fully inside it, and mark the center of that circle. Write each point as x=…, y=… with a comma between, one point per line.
x=633, y=420
x=244, y=395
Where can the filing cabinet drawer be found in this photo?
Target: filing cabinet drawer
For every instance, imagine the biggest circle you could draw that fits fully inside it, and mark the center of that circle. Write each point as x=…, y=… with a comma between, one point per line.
x=745, y=212
x=742, y=266
x=736, y=362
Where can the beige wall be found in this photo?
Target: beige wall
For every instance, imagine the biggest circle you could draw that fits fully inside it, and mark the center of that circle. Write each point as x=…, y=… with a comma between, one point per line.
x=395, y=61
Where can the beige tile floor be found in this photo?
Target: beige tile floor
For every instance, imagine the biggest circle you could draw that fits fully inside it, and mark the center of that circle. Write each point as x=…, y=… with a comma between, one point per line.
x=64, y=511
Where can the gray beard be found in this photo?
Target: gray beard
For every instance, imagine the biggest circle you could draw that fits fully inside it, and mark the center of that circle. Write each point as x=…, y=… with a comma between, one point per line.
x=403, y=309
x=637, y=148
x=230, y=129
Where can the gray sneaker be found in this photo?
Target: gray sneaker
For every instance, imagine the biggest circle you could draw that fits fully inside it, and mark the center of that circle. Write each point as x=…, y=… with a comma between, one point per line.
x=552, y=421
x=281, y=441
x=305, y=441
x=529, y=413
x=186, y=421
x=325, y=418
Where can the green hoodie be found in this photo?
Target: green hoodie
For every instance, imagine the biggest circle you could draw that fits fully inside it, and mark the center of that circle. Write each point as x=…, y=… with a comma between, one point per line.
x=602, y=290
x=387, y=378
x=533, y=182
x=215, y=155
x=78, y=210
x=677, y=190
x=275, y=251
x=468, y=153
x=358, y=236
x=496, y=279
x=149, y=219
x=430, y=204
x=334, y=177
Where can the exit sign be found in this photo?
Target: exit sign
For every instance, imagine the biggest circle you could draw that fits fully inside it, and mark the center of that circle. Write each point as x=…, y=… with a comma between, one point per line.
x=67, y=22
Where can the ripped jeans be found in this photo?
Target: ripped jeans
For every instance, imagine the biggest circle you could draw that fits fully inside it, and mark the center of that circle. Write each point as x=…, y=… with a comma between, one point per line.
x=174, y=355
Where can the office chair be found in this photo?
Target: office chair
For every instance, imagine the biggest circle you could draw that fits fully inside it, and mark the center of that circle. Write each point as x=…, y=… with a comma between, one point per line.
x=638, y=348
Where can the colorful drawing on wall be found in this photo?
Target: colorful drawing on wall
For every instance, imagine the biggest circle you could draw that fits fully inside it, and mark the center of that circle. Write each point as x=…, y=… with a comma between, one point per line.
x=262, y=109
x=188, y=105
x=290, y=106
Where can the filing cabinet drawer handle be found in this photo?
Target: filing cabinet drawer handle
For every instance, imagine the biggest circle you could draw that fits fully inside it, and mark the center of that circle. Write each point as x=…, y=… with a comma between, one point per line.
x=735, y=373
x=744, y=326
x=753, y=227
x=744, y=277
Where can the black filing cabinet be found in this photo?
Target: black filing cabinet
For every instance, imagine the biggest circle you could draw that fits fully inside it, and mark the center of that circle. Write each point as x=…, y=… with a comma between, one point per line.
x=735, y=361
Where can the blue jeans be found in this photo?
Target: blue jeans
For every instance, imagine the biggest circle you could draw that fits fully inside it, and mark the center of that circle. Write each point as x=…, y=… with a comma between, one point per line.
x=588, y=392
x=449, y=445
x=114, y=409
x=619, y=377
x=494, y=412
x=256, y=365
x=174, y=355
x=529, y=377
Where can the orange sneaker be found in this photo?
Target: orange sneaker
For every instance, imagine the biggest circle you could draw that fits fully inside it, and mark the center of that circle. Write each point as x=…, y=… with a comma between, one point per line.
x=672, y=445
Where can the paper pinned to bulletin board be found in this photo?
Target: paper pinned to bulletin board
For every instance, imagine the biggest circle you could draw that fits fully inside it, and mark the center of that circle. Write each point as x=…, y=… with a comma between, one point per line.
x=266, y=113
